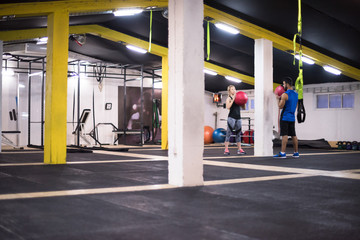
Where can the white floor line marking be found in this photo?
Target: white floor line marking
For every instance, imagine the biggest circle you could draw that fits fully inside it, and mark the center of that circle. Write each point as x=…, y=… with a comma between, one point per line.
x=76, y=192
x=21, y=164
x=255, y=179
x=22, y=152
x=289, y=156
x=128, y=154
x=83, y=162
x=315, y=172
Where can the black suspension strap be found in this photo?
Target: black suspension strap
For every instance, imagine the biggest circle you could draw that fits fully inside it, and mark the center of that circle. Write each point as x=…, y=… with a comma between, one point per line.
x=299, y=81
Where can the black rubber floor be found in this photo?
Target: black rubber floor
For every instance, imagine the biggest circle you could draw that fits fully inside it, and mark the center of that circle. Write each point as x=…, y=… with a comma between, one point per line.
x=314, y=206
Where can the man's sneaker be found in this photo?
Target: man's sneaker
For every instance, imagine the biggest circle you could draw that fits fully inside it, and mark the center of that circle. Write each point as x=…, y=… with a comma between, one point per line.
x=241, y=152
x=296, y=155
x=280, y=155
x=227, y=153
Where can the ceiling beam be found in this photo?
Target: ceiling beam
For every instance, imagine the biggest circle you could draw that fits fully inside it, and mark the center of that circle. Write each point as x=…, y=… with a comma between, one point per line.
x=75, y=6
x=279, y=42
x=246, y=28
x=118, y=37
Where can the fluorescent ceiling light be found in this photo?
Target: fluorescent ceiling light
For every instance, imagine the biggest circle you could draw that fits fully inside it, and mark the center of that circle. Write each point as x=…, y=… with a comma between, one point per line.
x=42, y=40
x=230, y=78
x=35, y=74
x=85, y=62
x=8, y=72
x=305, y=59
x=158, y=85
x=136, y=49
x=127, y=12
x=21, y=85
x=227, y=28
x=332, y=70
x=207, y=71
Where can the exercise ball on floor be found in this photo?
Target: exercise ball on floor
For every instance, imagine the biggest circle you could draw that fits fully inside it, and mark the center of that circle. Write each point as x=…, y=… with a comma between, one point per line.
x=279, y=90
x=219, y=135
x=241, y=98
x=208, y=132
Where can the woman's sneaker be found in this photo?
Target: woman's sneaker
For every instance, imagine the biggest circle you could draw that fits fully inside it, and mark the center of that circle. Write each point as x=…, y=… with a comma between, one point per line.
x=227, y=153
x=296, y=155
x=241, y=152
x=280, y=155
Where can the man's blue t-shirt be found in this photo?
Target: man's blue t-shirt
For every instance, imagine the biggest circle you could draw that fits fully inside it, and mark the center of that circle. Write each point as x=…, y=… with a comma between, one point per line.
x=288, y=112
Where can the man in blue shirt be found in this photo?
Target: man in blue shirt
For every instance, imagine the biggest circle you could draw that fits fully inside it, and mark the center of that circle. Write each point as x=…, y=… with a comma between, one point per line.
x=288, y=103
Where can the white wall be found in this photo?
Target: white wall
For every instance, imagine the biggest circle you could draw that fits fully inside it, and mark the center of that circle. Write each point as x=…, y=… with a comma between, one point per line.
x=330, y=124
x=108, y=94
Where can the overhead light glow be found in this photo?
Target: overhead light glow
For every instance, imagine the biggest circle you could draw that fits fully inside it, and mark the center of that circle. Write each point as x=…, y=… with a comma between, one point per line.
x=42, y=40
x=158, y=85
x=35, y=74
x=8, y=72
x=227, y=28
x=127, y=12
x=207, y=71
x=136, y=49
x=332, y=70
x=233, y=79
x=305, y=59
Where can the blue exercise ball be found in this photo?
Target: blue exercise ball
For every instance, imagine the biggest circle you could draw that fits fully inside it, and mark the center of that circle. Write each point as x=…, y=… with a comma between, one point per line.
x=219, y=135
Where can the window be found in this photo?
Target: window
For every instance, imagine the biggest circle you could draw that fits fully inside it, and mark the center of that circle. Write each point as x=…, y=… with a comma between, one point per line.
x=348, y=100
x=335, y=100
x=250, y=105
x=322, y=101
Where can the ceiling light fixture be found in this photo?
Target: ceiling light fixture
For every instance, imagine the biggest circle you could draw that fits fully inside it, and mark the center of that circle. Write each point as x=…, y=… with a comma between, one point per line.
x=332, y=70
x=35, y=74
x=227, y=28
x=233, y=79
x=207, y=71
x=42, y=40
x=136, y=49
x=158, y=85
x=127, y=12
x=8, y=72
x=305, y=59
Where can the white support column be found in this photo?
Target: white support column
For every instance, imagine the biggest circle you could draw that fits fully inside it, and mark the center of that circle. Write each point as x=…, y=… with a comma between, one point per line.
x=186, y=92
x=263, y=98
x=1, y=53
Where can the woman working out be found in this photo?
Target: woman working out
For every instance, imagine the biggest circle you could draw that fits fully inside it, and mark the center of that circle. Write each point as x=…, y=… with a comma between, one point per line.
x=234, y=121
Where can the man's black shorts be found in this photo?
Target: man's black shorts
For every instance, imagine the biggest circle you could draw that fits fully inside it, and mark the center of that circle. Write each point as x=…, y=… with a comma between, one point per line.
x=287, y=128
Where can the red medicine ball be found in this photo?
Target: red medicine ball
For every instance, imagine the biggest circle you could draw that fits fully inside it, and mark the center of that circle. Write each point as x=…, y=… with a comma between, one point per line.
x=279, y=90
x=241, y=98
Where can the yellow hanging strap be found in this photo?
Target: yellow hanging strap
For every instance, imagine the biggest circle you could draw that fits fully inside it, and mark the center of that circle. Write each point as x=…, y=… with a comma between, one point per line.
x=299, y=83
x=150, y=34
x=208, y=41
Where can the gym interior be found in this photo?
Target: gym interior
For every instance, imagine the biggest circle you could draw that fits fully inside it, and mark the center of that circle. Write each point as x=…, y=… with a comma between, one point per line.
x=113, y=125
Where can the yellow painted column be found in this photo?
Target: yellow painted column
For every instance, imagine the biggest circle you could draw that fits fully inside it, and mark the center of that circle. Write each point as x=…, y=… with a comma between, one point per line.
x=56, y=87
x=164, y=103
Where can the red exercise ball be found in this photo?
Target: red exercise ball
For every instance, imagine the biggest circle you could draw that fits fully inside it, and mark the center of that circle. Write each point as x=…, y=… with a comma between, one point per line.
x=241, y=98
x=208, y=132
x=279, y=90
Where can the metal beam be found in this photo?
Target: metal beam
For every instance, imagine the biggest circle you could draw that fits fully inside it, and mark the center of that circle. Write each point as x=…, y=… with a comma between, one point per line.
x=74, y=6
x=56, y=88
x=246, y=28
x=119, y=37
x=279, y=42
